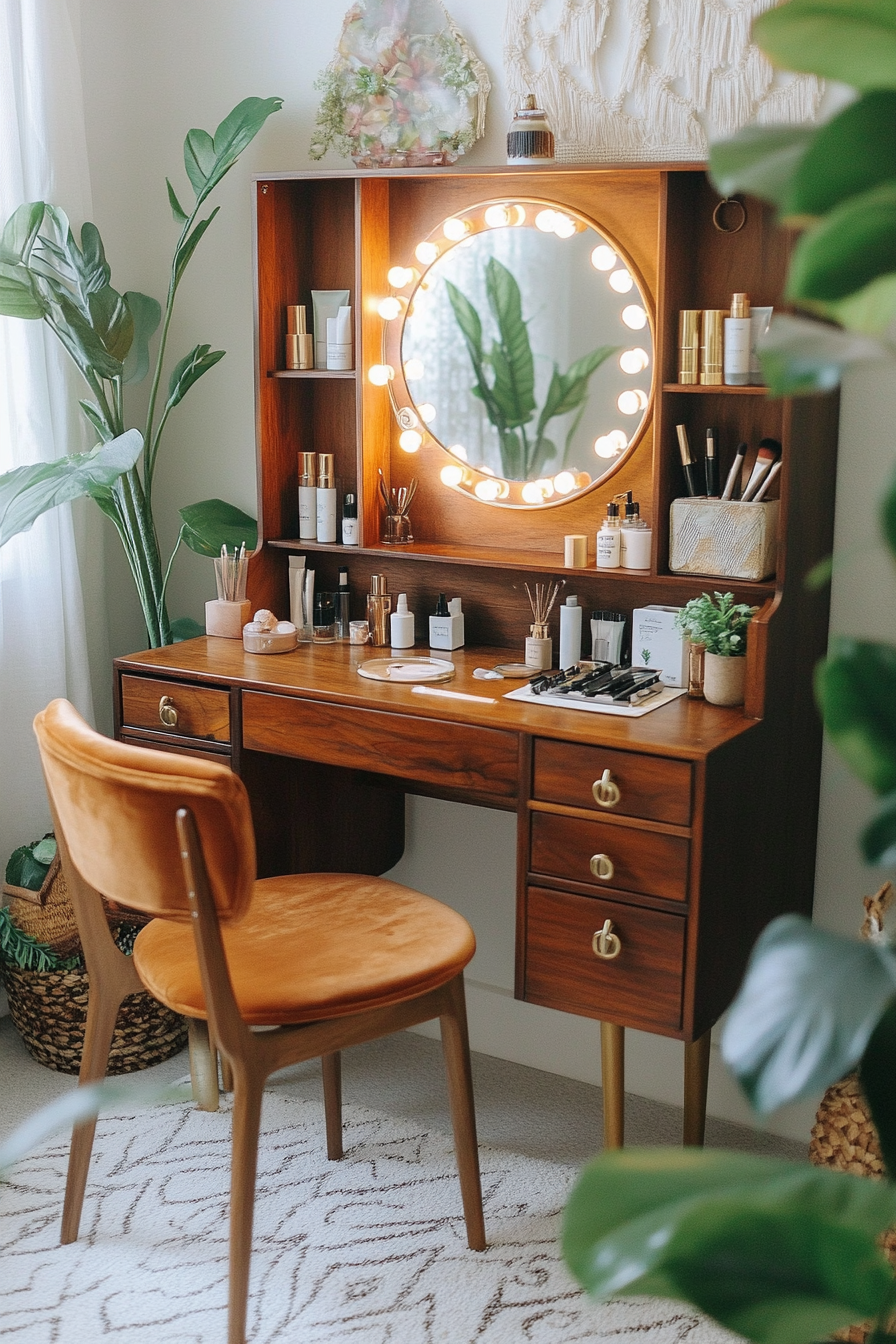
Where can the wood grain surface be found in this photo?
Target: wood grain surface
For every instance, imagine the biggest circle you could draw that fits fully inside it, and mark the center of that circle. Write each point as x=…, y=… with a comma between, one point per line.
x=201, y=711
x=643, y=861
x=649, y=786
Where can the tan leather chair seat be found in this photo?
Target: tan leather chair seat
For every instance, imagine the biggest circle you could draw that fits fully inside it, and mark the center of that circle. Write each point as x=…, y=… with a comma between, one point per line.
x=365, y=942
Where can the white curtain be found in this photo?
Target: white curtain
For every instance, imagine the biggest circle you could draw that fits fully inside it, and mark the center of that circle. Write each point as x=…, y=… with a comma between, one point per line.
x=43, y=629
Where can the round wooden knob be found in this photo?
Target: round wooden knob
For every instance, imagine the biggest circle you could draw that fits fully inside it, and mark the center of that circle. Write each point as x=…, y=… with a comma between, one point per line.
x=606, y=944
x=606, y=791
x=168, y=712
x=601, y=866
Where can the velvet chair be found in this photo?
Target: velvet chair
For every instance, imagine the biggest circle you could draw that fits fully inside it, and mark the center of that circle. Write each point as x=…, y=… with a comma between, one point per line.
x=327, y=959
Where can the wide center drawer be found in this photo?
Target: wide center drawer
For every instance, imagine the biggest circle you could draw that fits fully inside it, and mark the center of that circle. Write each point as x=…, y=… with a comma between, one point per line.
x=480, y=760
x=652, y=787
x=175, y=707
x=610, y=855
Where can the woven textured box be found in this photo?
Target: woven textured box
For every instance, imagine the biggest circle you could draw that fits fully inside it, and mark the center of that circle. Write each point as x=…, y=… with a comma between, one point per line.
x=724, y=539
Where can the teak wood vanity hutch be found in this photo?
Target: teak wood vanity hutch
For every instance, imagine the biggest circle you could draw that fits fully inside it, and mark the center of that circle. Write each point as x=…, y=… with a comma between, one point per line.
x=714, y=829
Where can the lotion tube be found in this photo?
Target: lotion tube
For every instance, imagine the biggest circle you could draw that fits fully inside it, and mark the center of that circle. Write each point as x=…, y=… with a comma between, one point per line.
x=339, y=340
x=325, y=303
x=326, y=499
x=307, y=496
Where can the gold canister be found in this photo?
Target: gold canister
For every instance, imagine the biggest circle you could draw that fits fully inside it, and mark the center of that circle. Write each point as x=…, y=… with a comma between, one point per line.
x=711, y=346
x=688, y=345
x=299, y=342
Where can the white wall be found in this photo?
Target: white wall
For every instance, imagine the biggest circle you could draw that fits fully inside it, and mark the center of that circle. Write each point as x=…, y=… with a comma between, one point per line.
x=152, y=71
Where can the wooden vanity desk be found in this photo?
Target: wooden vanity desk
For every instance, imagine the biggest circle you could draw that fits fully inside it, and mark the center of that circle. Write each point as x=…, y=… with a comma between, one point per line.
x=651, y=851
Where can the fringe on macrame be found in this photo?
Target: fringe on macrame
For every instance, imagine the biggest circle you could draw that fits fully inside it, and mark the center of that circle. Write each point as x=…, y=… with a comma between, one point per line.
x=710, y=72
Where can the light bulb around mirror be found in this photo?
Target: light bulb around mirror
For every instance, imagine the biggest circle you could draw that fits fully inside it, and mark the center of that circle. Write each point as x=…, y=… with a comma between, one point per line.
x=400, y=277
x=454, y=229
x=413, y=370
x=564, y=227
x=380, y=374
x=389, y=309
x=458, y=450
x=605, y=446
x=452, y=474
x=603, y=258
x=621, y=281
x=410, y=440
x=632, y=401
x=427, y=412
x=497, y=216
x=634, y=317
x=545, y=220
x=488, y=489
x=426, y=252
x=633, y=361
x=532, y=493
x=564, y=483
x=546, y=487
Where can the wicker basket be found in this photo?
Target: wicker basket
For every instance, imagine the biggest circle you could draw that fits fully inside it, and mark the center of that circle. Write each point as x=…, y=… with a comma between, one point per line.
x=49, y=1010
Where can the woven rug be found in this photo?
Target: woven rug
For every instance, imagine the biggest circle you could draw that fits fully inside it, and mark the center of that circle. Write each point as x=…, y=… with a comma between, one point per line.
x=369, y=1250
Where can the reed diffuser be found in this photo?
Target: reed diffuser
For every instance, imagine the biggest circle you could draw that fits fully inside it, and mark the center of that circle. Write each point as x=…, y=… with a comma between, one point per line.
x=539, y=647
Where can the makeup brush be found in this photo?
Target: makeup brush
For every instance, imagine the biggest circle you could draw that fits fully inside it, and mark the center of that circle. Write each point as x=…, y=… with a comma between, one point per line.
x=769, y=452
x=763, y=489
x=734, y=473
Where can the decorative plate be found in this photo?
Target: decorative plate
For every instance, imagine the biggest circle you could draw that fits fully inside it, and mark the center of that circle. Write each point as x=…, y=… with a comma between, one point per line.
x=407, y=669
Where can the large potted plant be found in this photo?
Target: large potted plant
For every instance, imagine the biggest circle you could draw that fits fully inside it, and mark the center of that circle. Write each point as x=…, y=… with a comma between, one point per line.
x=47, y=275
x=781, y=1252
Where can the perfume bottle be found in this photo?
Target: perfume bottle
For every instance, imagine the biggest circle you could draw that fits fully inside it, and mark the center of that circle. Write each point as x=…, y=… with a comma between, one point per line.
x=379, y=604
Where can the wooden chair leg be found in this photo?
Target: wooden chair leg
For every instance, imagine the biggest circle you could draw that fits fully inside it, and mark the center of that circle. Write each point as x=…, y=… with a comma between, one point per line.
x=456, y=1048
x=203, y=1065
x=226, y=1075
x=331, y=1067
x=102, y=1013
x=612, y=1066
x=247, y=1096
x=696, y=1079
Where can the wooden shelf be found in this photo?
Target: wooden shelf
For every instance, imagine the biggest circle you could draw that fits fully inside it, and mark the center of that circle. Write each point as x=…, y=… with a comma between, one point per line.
x=312, y=373
x=753, y=390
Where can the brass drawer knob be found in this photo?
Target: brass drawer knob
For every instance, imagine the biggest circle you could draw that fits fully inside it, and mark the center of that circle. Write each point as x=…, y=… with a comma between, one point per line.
x=168, y=712
x=605, y=943
x=606, y=791
x=601, y=866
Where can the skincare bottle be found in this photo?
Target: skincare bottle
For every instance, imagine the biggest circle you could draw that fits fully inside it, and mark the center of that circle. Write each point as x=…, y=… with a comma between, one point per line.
x=325, y=303
x=324, y=618
x=738, y=339
x=339, y=339
x=307, y=496
x=570, y=633
x=636, y=539
x=326, y=499
x=379, y=604
x=711, y=347
x=608, y=539
x=299, y=343
x=343, y=606
x=760, y=319
x=350, y=521
x=401, y=623
x=297, y=591
x=539, y=648
x=446, y=626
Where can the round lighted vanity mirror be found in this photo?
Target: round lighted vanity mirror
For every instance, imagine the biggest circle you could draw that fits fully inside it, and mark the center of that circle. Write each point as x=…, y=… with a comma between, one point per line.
x=525, y=351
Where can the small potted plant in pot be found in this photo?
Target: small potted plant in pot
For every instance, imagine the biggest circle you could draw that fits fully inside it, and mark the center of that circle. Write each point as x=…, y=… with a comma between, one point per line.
x=720, y=624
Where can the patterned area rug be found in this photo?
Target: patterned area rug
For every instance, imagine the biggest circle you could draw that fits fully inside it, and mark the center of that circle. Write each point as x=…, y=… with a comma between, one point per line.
x=369, y=1250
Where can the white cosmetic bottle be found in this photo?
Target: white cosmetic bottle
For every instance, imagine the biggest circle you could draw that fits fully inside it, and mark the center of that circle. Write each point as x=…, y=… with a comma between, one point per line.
x=608, y=539
x=307, y=496
x=738, y=342
x=401, y=624
x=570, y=633
x=446, y=626
x=339, y=339
x=326, y=499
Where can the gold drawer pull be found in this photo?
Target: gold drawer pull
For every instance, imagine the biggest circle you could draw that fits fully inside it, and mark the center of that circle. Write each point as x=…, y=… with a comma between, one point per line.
x=606, y=791
x=168, y=712
x=605, y=943
x=601, y=866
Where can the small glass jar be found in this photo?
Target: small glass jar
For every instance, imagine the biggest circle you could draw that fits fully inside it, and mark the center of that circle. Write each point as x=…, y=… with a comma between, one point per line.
x=324, y=628
x=696, y=656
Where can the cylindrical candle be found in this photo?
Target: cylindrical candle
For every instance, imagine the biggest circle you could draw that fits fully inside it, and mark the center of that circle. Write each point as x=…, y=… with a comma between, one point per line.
x=575, y=551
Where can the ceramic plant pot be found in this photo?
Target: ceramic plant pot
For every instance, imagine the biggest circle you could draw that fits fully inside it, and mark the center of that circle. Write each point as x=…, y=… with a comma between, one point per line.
x=723, y=679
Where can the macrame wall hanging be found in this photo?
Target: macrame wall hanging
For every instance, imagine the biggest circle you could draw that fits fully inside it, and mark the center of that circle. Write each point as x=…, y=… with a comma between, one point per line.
x=647, y=79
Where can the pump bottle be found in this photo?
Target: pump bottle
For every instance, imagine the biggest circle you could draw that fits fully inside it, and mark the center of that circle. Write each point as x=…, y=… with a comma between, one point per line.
x=608, y=539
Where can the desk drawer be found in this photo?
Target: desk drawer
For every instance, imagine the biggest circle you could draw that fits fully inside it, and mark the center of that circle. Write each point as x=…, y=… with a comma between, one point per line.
x=610, y=855
x=641, y=987
x=189, y=711
x=652, y=787
x=483, y=761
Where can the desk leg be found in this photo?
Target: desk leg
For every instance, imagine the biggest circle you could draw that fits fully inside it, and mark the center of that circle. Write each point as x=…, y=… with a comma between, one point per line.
x=696, y=1077
x=612, y=1067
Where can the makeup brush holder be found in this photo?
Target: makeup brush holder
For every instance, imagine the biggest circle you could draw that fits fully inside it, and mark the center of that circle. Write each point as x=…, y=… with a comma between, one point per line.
x=397, y=530
x=724, y=539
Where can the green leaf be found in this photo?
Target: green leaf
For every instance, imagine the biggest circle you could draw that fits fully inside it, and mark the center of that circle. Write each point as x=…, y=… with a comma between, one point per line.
x=212, y=523
x=112, y=321
x=847, y=155
x=185, y=628
x=514, y=367
x=147, y=314
x=27, y=492
x=23, y=869
x=850, y=40
x=93, y=267
x=878, y=1078
x=878, y=839
x=805, y=1011
x=761, y=160
x=799, y=355
x=849, y=248
x=45, y=850
x=82, y=341
x=468, y=320
x=199, y=158
x=94, y=415
x=177, y=210
x=855, y=687
x=19, y=296
x=780, y=1252
x=20, y=232
x=207, y=161
x=888, y=514
x=869, y=310
x=188, y=246
x=189, y=370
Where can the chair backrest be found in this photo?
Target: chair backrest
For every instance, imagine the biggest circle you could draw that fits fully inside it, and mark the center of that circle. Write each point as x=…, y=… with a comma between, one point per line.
x=116, y=805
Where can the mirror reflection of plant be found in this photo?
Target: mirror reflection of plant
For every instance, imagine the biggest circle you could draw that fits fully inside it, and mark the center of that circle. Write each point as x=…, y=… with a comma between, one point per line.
x=505, y=378
x=46, y=275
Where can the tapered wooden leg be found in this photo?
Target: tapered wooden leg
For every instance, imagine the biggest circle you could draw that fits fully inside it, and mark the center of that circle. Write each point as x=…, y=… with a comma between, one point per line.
x=696, y=1078
x=244, y=1163
x=203, y=1065
x=612, y=1068
x=102, y=1012
x=226, y=1075
x=456, y=1048
x=331, y=1066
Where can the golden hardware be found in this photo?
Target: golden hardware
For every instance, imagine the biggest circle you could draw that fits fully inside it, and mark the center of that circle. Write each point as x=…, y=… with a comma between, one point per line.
x=601, y=866
x=605, y=943
x=606, y=791
x=168, y=712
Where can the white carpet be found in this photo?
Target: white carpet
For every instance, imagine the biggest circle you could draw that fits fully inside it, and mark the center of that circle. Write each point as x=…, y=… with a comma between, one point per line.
x=370, y=1250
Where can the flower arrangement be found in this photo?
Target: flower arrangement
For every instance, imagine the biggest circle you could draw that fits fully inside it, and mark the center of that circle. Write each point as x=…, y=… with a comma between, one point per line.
x=401, y=89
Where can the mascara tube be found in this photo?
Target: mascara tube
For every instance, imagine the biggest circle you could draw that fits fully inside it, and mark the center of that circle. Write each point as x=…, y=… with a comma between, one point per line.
x=687, y=462
x=711, y=465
